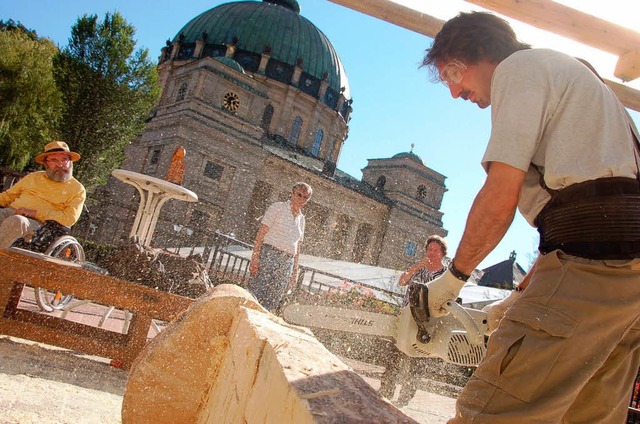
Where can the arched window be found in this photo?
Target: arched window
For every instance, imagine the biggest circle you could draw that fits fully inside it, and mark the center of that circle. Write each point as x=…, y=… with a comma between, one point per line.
x=266, y=117
x=382, y=180
x=296, y=128
x=182, y=91
x=317, y=143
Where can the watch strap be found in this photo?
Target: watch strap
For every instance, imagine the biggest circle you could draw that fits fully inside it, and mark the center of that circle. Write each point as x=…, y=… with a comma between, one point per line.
x=457, y=273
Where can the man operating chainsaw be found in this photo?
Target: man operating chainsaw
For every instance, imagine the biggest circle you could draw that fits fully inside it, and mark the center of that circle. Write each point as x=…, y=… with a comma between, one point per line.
x=562, y=149
x=400, y=368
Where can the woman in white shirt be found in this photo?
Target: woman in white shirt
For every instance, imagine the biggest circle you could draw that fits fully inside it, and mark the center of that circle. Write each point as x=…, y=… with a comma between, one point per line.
x=274, y=263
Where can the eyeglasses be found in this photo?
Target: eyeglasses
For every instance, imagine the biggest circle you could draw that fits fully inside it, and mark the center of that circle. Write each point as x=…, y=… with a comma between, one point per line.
x=452, y=72
x=58, y=160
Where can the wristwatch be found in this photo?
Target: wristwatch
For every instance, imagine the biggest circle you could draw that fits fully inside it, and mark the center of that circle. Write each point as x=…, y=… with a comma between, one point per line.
x=457, y=273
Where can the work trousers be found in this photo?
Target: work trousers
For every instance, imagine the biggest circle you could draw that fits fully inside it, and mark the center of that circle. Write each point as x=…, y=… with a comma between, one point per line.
x=13, y=226
x=567, y=351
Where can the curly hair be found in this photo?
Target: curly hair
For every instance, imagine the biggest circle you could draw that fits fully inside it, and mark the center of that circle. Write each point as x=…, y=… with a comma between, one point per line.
x=472, y=37
x=436, y=239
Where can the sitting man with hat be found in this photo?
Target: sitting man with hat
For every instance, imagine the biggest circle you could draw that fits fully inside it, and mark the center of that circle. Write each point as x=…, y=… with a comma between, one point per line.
x=49, y=195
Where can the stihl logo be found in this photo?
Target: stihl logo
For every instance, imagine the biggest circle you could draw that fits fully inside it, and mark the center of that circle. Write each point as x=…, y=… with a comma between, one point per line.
x=362, y=321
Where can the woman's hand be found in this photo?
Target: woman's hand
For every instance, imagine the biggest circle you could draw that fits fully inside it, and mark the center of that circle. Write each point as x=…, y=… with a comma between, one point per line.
x=404, y=279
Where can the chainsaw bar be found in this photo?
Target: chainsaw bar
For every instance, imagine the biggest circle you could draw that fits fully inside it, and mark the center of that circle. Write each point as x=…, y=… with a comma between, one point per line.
x=457, y=337
x=352, y=321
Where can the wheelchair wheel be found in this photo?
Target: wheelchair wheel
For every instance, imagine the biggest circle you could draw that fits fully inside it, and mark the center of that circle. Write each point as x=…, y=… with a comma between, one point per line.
x=67, y=248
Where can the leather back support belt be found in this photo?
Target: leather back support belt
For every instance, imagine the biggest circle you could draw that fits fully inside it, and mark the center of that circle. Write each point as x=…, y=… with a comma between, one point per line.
x=597, y=219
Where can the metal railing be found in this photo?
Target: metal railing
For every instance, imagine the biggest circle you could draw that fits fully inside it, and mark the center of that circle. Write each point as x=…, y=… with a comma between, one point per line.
x=315, y=281
x=227, y=260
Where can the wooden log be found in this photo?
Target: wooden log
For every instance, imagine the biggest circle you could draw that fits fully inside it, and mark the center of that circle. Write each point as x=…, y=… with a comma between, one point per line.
x=228, y=360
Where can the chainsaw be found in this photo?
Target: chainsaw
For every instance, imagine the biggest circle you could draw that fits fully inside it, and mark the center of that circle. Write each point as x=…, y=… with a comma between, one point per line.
x=457, y=337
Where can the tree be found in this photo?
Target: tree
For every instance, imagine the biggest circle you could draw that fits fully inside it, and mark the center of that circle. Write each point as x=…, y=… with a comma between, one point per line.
x=30, y=102
x=109, y=89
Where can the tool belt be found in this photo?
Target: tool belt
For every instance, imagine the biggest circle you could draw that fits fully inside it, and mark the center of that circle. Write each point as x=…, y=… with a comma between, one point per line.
x=598, y=219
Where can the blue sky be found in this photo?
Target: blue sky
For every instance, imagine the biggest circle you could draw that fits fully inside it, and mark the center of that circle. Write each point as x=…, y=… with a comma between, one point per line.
x=394, y=103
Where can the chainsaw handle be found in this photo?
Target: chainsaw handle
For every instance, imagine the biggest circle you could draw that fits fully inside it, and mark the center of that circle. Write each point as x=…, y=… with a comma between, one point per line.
x=473, y=332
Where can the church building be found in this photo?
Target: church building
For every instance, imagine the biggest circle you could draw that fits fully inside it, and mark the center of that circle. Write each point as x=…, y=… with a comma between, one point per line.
x=259, y=99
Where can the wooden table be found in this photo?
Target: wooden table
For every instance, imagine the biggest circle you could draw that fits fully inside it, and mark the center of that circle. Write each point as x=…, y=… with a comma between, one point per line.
x=19, y=268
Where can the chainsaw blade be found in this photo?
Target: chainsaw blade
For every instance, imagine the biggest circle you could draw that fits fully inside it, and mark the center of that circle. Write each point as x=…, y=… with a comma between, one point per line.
x=457, y=337
x=350, y=320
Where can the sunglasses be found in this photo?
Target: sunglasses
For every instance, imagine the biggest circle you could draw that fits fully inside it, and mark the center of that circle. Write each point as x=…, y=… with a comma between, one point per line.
x=452, y=73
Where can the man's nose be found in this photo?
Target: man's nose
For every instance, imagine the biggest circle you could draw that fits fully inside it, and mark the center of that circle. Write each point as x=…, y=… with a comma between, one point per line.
x=455, y=90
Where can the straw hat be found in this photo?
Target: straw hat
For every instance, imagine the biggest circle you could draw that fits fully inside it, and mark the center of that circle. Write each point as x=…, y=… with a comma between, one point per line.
x=55, y=147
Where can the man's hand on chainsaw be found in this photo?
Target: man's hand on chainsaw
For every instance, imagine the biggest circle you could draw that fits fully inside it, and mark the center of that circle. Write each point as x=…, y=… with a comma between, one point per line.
x=441, y=290
x=496, y=310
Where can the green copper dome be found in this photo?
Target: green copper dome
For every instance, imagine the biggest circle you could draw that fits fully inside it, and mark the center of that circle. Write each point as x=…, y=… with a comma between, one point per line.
x=409, y=155
x=275, y=27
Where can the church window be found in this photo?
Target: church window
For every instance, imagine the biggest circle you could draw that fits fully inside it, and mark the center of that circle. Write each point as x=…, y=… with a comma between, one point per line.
x=213, y=170
x=410, y=248
x=266, y=117
x=182, y=91
x=421, y=192
x=185, y=52
x=296, y=128
x=361, y=242
x=382, y=180
x=154, y=158
x=317, y=143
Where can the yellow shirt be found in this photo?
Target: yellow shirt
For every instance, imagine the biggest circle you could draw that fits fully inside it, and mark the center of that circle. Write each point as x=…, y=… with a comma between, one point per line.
x=52, y=200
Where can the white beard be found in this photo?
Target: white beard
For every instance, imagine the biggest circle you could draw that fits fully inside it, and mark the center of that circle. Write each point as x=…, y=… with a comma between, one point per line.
x=60, y=175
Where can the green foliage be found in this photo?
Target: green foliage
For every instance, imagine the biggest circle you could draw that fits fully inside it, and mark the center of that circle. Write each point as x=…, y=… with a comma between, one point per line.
x=30, y=102
x=10, y=25
x=108, y=88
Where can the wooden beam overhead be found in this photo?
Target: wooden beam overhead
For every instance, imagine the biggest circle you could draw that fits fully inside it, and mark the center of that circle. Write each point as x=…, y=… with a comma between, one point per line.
x=604, y=32
x=567, y=22
x=575, y=25
x=396, y=14
x=628, y=66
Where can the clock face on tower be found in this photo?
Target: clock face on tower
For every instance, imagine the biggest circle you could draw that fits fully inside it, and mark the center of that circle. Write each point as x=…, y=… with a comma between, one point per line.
x=231, y=101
